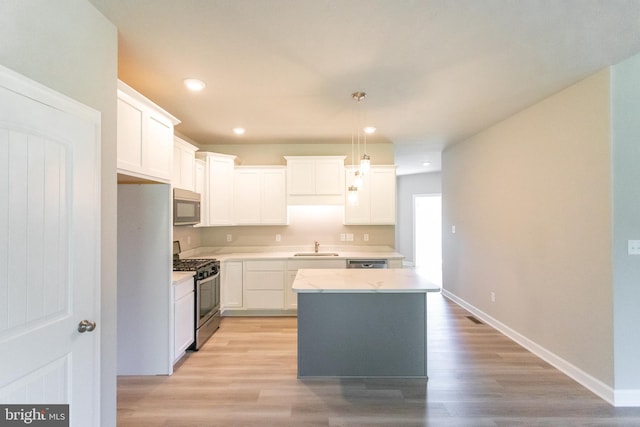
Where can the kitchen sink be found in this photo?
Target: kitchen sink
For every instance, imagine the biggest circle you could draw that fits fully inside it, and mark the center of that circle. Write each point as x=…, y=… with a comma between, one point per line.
x=316, y=254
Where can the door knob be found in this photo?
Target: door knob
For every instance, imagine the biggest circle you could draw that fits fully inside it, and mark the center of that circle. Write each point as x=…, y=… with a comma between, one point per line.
x=86, y=326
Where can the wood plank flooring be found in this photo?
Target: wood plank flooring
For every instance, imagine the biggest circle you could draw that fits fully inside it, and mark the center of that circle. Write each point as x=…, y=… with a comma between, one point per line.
x=245, y=375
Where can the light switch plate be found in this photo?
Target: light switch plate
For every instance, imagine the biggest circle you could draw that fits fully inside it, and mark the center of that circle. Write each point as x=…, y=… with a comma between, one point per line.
x=634, y=247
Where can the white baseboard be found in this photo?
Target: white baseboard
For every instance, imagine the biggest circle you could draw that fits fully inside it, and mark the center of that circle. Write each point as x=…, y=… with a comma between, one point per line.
x=612, y=396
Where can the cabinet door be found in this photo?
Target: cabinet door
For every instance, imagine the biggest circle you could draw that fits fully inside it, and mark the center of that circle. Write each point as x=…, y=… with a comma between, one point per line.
x=199, y=175
x=231, y=284
x=158, y=148
x=273, y=206
x=246, y=196
x=383, y=195
x=220, y=190
x=129, y=143
x=183, y=171
x=290, y=297
x=184, y=318
x=302, y=175
x=329, y=177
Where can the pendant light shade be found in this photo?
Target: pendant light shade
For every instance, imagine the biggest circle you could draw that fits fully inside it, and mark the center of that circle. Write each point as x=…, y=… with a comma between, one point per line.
x=352, y=195
x=357, y=179
x=365, y=164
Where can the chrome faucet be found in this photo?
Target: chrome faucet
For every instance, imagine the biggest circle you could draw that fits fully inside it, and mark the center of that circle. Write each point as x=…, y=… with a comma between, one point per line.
x=317, y=245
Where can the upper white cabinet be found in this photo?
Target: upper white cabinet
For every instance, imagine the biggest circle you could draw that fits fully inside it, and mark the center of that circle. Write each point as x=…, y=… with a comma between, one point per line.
x=199, y=176
x=376, y=198
x=184, y=157
x=260, y=196
x=315, y=180
x=217, y=197
x=145, y=137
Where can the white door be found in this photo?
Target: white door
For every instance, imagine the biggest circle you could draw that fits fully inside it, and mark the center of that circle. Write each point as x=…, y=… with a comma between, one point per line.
x=49, y=249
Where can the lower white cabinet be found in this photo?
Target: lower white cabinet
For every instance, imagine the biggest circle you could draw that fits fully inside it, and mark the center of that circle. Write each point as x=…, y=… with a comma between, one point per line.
x=291, y=297
x=264, y=285
x=231, y=285
x=183, y=316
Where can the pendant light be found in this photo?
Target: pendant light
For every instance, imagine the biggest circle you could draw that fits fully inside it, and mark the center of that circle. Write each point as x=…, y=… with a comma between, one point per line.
x=365, y=160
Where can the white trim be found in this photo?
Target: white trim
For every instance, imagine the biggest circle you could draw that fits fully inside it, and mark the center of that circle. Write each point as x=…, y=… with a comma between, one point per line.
x=38, y=92
x=609, y=394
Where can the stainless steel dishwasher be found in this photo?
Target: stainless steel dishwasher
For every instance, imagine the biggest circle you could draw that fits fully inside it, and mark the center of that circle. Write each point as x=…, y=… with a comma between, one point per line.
x=366, y=263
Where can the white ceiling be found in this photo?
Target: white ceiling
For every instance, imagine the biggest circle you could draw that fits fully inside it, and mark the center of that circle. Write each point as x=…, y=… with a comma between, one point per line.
x=435, y=71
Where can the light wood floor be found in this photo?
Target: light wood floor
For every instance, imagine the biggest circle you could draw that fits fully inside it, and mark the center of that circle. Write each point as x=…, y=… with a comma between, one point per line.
x=245, y=375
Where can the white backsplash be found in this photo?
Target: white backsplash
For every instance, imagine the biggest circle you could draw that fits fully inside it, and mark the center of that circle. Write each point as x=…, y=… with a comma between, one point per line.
x=307, y=224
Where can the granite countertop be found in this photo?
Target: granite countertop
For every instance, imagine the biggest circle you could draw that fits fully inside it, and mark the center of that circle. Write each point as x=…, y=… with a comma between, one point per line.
x=390, y=280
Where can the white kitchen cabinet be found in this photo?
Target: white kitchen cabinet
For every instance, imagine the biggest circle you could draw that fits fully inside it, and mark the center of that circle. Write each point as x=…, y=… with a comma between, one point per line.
x=199, y=176
x=231, y=285
x=264, y=284
x=315, y=180
x=217, y=197
x=290, y=297
x=144, y=137
x=260, y=195
x=184, y=157
x=376, y=198
x=184, y=316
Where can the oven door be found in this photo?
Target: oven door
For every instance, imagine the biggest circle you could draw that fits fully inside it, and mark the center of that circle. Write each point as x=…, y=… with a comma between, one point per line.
x=207, y=298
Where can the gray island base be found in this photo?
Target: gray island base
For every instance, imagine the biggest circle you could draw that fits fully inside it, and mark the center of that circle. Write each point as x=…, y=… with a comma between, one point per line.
x=362, y=323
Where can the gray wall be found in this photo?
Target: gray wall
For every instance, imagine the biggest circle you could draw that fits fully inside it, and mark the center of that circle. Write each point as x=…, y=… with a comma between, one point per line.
x=626, y=220
x=70, y=47
x=531, y=201
x=407, y=187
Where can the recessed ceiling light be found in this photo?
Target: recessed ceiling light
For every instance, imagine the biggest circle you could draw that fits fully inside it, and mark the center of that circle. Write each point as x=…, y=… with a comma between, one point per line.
x=239, y=131
x=369, y=129
x=194, y=84
x=426, y=164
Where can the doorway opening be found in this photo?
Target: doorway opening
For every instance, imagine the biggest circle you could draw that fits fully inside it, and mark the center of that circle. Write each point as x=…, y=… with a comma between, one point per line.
x=427, y=236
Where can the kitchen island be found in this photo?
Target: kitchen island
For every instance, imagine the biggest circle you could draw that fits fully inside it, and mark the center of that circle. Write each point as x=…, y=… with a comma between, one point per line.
x=362, y=323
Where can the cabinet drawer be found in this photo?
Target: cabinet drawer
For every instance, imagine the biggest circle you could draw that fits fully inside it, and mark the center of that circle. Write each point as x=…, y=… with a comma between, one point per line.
x=264, y=280
x=183, y=287
x=268, y=299
x=320, y=263
x=264, y=265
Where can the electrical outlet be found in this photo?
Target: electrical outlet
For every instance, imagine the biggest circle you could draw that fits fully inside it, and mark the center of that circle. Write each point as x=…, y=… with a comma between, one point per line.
x=493, y=297
x=634, y=247
x=342, y=237
x=365, y=237
x=349, y=237
x=278, y=237
x=228, y=237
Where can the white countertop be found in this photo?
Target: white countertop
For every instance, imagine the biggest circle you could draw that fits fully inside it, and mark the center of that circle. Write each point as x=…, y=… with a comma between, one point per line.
x=362, y=280
x=178, y=276
x=245, y=253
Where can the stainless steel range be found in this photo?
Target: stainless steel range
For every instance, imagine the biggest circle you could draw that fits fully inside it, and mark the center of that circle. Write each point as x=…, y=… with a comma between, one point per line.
x=207, y=294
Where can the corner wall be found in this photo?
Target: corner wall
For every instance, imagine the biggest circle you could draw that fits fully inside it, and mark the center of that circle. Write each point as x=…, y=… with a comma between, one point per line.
x=626, y=225
x=70, y=47
x=531, y=201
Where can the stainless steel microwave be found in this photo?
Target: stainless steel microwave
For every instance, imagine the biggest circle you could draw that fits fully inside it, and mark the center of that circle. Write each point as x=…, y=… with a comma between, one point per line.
x=186, y=207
